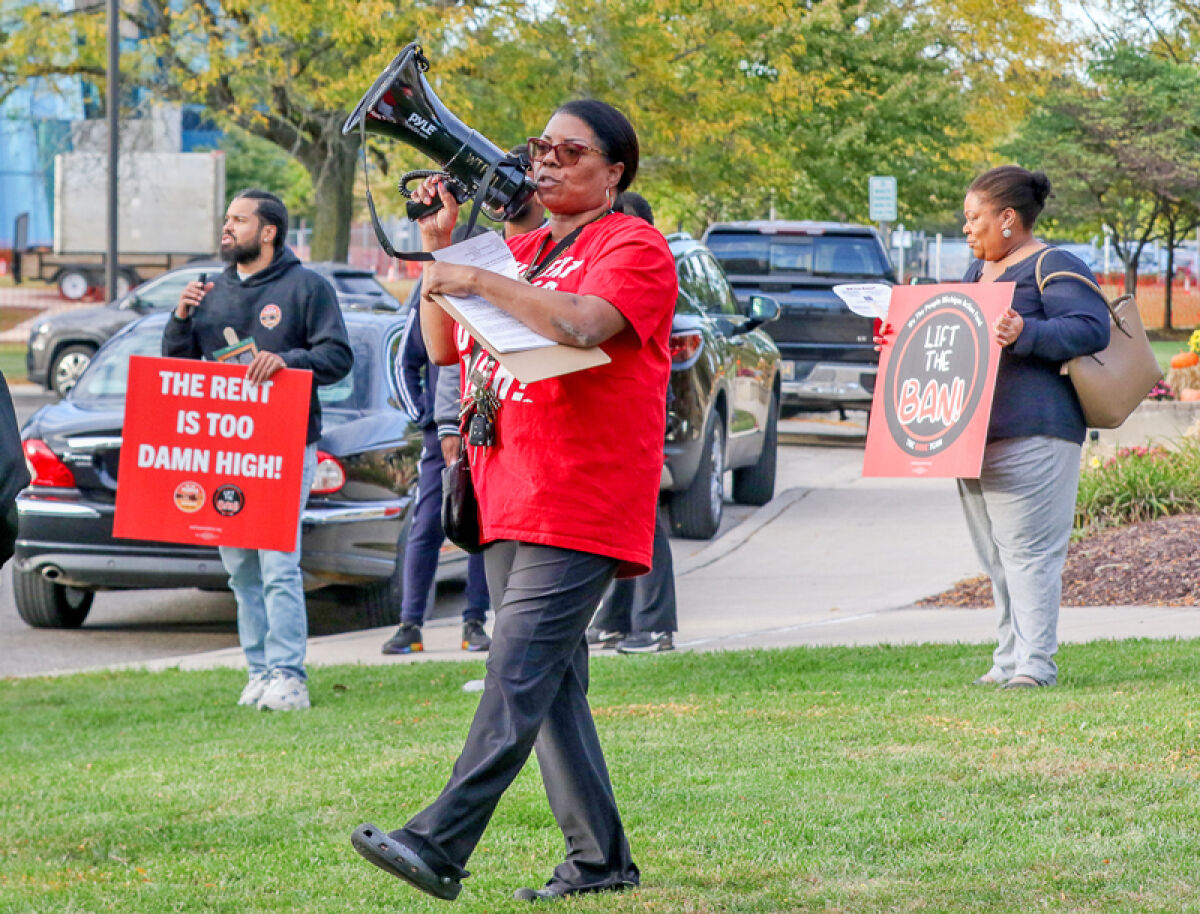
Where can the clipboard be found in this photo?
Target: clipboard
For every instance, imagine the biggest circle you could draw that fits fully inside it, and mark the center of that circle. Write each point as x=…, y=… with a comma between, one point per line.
x=532, y=365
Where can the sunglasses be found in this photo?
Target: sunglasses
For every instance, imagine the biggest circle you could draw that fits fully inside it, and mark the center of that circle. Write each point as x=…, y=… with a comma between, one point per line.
x=567, y=152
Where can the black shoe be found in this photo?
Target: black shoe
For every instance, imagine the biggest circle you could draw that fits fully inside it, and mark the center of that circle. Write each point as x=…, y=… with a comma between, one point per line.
x=403, y=862
x=407, y=640
x=474, y=638
x=646, y=643
x=599, y=637
x=552, y=891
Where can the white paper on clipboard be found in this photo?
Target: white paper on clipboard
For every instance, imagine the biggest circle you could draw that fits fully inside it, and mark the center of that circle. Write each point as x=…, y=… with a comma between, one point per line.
x=500, y=330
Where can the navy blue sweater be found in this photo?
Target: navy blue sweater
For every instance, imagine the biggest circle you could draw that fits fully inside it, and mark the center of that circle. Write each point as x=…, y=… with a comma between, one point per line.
x=1066, y=320
x=286, y=308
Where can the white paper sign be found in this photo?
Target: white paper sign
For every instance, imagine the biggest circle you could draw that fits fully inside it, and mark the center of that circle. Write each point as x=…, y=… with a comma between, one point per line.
x=500, y=330
x=867, y=299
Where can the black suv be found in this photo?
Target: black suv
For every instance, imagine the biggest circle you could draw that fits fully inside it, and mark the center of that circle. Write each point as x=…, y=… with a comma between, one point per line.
x=723, y=398
x=62, y=345
x=829, y=359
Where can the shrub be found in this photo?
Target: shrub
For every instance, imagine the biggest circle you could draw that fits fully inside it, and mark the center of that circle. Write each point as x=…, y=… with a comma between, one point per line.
x=1138, y=484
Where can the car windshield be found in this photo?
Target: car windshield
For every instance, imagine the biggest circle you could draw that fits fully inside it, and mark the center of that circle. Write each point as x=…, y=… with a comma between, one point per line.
x=164, y=291
x=823, y=255
x=107, y=377
x=358, y=284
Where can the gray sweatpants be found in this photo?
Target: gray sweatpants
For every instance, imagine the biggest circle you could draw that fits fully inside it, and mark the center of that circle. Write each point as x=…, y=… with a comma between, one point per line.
x=1019, y=513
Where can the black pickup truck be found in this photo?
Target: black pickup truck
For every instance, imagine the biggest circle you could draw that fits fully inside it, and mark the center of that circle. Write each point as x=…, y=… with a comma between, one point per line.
x=828, y=357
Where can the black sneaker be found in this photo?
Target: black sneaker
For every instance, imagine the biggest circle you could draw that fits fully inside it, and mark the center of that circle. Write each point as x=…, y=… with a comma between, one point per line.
x=474, y=638
x=407, y=640
x=598, y=637
x=646, y=643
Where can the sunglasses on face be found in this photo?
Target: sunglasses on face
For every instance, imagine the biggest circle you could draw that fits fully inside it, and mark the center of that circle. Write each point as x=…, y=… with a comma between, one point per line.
x=567, y=152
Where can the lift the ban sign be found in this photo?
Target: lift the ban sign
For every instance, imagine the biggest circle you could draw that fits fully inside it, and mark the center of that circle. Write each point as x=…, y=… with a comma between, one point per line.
x=933, y=396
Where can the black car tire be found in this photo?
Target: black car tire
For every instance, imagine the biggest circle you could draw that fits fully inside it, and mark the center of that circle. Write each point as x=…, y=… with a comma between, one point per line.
x=755, y=484
x=44, y=604
x=73, y=283
x=696, y=511
x=379, y=604
x=68, y=365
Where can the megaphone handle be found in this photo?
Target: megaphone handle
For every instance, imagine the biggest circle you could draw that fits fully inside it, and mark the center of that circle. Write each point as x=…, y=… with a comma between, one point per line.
x=416, y=209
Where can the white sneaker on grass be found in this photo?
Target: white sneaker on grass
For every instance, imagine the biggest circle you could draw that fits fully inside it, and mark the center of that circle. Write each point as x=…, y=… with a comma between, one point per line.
x=254, y=688
x=284, y=692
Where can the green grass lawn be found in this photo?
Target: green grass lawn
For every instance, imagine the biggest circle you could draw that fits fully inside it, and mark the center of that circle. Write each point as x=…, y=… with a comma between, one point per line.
x=12, y=361
x=1164, y=349
x=866, y=779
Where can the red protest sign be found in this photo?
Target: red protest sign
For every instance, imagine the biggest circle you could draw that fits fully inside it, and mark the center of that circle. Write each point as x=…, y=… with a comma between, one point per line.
x=933, y=393
x=208, y=458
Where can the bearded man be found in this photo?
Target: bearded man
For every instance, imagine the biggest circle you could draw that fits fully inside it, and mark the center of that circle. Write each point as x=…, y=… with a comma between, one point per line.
x=292, y=315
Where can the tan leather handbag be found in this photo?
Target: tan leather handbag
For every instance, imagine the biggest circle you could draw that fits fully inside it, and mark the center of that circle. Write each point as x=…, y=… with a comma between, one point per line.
x=1111, y=383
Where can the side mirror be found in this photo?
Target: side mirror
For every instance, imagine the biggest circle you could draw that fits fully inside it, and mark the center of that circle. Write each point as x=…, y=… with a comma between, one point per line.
x=762, y=310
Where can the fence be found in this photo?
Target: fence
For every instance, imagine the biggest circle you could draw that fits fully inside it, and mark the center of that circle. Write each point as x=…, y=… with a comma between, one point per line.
x=1151, y=299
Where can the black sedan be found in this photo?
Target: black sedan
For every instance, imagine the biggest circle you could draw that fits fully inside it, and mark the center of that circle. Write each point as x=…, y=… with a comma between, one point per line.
x=723, y=398
x=354, y=525
x=61, y=346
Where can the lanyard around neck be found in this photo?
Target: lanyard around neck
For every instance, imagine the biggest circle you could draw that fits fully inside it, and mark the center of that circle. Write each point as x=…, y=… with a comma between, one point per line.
x=536, y=269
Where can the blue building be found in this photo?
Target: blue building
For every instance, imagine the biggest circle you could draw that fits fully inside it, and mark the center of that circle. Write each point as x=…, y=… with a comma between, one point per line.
x=34, y=127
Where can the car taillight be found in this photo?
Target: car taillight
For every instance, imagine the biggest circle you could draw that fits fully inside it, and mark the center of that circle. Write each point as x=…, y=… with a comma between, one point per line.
x=45, y=467
x=876, y=326
x=684, y=346
x=330, y=475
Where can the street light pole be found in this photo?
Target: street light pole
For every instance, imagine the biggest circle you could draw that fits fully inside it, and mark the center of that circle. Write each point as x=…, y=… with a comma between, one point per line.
x=111, y=266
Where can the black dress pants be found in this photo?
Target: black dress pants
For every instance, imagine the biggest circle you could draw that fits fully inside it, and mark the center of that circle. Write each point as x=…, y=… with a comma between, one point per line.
x=534, y=696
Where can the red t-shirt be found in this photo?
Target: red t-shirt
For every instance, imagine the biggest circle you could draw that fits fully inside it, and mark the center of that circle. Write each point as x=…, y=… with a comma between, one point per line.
x=578, y=458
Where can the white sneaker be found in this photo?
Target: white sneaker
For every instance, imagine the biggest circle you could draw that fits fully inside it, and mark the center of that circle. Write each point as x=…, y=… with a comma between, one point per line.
x=254, y=688
x=284, y=693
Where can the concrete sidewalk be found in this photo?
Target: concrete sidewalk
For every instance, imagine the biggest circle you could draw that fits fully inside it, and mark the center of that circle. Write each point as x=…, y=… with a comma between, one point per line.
x=817, y=566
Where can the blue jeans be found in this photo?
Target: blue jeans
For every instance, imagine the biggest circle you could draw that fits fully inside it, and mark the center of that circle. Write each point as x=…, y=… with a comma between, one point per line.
x=424, y=544
x=269, y=587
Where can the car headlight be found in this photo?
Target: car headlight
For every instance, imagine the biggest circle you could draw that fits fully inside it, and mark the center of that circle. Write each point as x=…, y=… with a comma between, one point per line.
x=37, y=337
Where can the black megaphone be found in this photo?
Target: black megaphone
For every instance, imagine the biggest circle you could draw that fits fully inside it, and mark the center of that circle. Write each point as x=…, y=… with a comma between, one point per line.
x=401, y=105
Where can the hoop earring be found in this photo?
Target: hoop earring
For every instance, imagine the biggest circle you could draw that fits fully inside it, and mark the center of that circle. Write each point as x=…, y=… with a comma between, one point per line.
x=1007, y=233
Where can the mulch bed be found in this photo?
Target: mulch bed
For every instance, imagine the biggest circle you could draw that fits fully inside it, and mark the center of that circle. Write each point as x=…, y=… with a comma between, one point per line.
x=1155, y=563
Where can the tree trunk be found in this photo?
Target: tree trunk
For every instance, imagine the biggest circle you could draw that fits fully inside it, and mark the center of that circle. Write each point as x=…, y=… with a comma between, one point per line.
x=1170, y=281
x=333, y=193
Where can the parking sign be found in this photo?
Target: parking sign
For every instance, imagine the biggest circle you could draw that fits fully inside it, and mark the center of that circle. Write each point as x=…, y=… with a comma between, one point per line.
x=881, y=192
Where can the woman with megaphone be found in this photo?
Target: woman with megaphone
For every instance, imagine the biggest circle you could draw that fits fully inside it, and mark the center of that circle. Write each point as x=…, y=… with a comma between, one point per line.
x=567, y=474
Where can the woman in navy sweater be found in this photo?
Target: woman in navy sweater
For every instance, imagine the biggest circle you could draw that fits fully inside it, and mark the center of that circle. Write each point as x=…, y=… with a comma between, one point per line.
x=1020, y=510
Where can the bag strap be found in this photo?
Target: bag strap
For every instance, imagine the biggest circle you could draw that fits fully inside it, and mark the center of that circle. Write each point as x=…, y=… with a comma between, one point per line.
x=1043, y=281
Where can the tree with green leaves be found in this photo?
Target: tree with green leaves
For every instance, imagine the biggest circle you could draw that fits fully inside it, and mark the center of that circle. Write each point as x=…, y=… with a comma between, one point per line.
x=1123, y=151
x=769, y=105
x=286, y=71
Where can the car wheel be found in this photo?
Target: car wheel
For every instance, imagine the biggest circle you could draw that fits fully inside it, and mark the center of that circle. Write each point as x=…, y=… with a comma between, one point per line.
x=755, y=485
x=68, y=365
x=73, y=284
x=44, y=604
x=696, y=511
x=379, y=604
x=126, y=280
